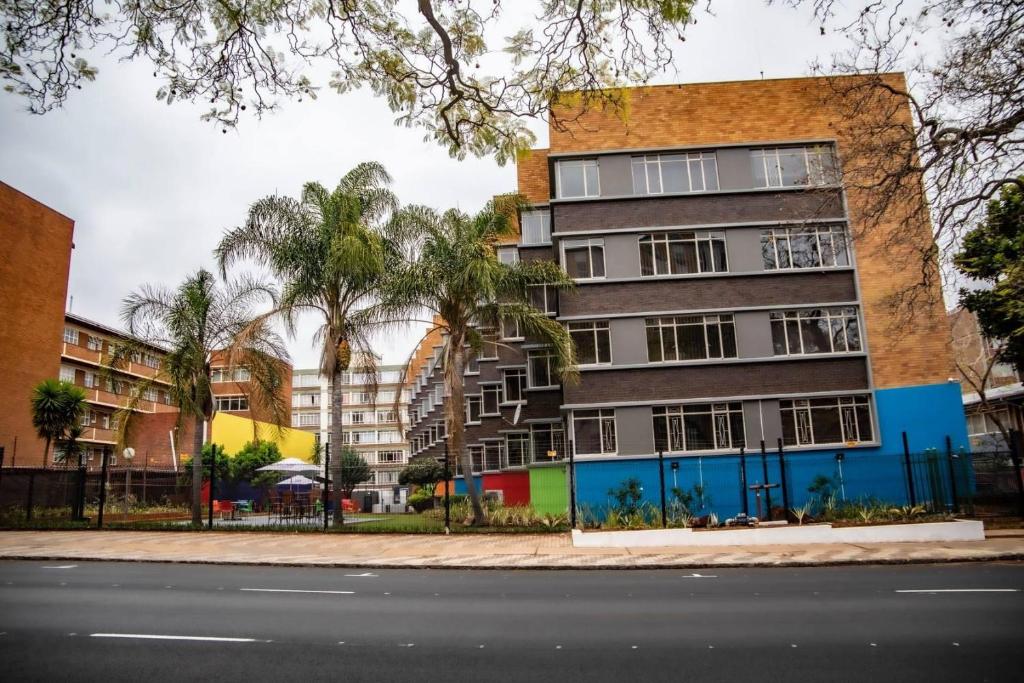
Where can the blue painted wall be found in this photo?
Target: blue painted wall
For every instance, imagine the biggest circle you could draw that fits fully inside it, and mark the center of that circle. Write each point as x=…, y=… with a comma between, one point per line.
x=928, y=413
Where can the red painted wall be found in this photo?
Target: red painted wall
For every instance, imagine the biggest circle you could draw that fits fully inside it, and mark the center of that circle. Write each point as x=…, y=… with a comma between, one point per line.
x=515, y=486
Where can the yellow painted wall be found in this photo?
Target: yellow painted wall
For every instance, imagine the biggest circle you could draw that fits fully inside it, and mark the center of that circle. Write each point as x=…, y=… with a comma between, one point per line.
x=233, y=432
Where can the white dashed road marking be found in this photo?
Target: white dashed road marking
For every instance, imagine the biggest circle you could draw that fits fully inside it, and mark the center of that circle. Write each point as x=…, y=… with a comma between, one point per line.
x=151, y=636
x=293, y=590
x=62, y=566
x=960, y=590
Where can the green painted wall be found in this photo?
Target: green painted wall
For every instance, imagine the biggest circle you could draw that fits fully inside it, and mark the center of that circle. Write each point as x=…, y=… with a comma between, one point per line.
x=548, y=490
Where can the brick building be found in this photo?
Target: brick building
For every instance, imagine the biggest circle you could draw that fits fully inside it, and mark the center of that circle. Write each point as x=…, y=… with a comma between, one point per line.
x=34, y=262
x=721, y=306
x=373, y=424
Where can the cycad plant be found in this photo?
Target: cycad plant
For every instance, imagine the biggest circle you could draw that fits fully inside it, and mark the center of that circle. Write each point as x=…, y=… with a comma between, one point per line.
x=57, y=409
x=329, y=252
x=454, y=278
x=199, y=319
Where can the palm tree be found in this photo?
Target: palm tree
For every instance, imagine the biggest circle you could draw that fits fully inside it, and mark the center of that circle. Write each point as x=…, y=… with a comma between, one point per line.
x=455, y=278
x=328, y=250
x=194, y=322
x=57, y=408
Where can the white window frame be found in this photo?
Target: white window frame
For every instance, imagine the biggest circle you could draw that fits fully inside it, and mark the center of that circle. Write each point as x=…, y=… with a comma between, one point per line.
x=235, y=403
x=508, y=325
x=70, y=335
x=490, y=388
x=722, y=416
x=589, y=244
x=549, y=295
x=541, y=221
x=582, y=164
x=508, y=256
x=67, y=374
x=594, y=327
x=523, y=440
x=812, y=155
x=506, y=374
x=842, y=314
x=670, y=237
x=778, y=241
x=549, y=358
x=94, y=343
x=800, y=411
x=604, y=417
x=476, y=398
x=652, y=170
x=708, y=321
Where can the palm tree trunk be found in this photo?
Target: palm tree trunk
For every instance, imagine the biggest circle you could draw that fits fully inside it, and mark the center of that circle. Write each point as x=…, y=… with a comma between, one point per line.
x=46, y=452
x=197, y=473
x=455, y=414
x=337, y=443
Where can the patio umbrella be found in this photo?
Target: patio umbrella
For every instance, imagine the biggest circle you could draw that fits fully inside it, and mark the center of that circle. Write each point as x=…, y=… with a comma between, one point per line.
x=290, y=465
x=297, y=480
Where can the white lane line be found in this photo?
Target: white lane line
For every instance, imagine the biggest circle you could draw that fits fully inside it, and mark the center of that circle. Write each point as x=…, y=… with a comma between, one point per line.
x=293, y=590
x=960, y=590
x=151, y=636
x=699, y=576
x=363, y=575
x=62, y=566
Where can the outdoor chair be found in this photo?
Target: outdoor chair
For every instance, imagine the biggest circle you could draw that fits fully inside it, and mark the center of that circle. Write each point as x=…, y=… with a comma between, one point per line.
x=226, y=508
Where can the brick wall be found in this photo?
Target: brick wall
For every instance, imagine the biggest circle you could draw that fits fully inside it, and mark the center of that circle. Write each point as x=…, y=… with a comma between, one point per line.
x=34, y=263
x=532, y=175
x=905, y=352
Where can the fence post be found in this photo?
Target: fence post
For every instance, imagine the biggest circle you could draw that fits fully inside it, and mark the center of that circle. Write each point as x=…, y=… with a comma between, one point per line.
x=28, y=503
x=325, y=495
x=767, y=491
x=743, y=480
x=910, y=470
x=103, y=489
x=447, y=491
x=80, y=486
x=952, y=475
x=572, y=485
x=145, y=471
x=213, y=482
x=661, y=479
x=785, y=487
x=1, y=464
x=1015, y=448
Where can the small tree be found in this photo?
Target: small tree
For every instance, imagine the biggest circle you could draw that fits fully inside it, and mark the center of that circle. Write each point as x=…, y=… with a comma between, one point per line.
x=254, y=455
x=354, y=471
x=57, y=407
x=212, y=453
x=424, y=472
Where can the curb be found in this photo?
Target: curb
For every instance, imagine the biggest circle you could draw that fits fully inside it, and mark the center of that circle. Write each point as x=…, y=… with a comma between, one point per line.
x=996, y=557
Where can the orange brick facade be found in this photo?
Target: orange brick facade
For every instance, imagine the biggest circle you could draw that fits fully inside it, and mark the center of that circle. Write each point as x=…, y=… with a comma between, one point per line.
x=914, y=352
x=34, y=262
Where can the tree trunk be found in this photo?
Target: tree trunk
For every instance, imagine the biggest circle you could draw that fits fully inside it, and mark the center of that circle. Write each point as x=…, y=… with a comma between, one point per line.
x=197, y=474
x=337, y=443
x=455, y=414
x=46, y=452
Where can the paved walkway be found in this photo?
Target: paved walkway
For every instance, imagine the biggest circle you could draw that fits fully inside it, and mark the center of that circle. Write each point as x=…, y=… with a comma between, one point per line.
x=497, y=551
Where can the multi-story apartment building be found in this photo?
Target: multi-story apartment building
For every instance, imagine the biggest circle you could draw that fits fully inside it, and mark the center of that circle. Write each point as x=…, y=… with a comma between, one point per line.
x=34, y=265
x=84, y=361
x=720, y=304
x=373, y=421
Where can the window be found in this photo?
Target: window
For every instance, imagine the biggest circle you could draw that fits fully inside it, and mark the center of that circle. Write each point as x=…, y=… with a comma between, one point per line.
x=386, y=416
x=682, y=253
x=514, y=381
x=517, y=450
x=493, y=455
x=389, y=456
x=357, y=418
x=476, y=456
x=231, y=403
x=793, y=166
x=306, y=419
x=474, y=406
x=835, y=420
x=541, y=366
x=543, y=298
x=508, y=255
x=546, y=439
x=217, y=374
x=665, y=173
x=578, y=178
x=593, y=342
x=387, y=477
x=94, y=343
x=821, y=246
x=389, y=436
x=70, y=335
x=815, y=330
x=492, y=399
x=91, y=380
x=472, y=364
x=490, y=345
x=594, y=432
x=698, y=427
x=150, y=394
x=690, y=337
x=583, y=259
x=88, y=418
x=149, y=360
x=105, y=420
x=67, y=374
x=536, y=227
x=510, y=329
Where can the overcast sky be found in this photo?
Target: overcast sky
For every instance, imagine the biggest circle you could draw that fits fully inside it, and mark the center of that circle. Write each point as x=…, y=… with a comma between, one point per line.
x=151, y=188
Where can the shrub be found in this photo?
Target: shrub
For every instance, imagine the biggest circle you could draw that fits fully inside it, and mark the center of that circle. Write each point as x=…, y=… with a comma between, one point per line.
x=628, y=495
x=420, y=500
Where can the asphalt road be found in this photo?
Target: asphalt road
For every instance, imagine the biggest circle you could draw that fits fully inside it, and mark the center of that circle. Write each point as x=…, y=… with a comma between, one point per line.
x=125, y=621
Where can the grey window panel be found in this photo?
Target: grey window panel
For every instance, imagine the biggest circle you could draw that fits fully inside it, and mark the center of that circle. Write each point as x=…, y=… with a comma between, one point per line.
x=743, y=246
x=629, y=341
x=616, y=175
x=753, y=334
x=622, y=255
x=734, y=168
x=635, y=434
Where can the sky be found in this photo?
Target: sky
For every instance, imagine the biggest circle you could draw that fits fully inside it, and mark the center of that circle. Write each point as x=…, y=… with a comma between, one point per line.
x=151, y=187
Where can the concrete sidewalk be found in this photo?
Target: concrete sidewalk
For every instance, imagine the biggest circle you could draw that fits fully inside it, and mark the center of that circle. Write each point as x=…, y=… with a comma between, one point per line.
x=483, y=551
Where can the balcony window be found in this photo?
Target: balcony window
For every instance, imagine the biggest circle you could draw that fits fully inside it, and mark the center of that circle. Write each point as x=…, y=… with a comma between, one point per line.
x=683, y=253
x=821, y=246
x=94, y=343
x=517, y=450
x=536, y=227
x=594, y=432
x=583, y=259
x=547, y=439
x=578, y=178
x=826, y=421
x=793, y=166
x=384, y=457
x=70, y=335
x=593, y=342
x=815, y=330
x=698, y=427
x=67, y=374
x=690, y=337
x=675, y=173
